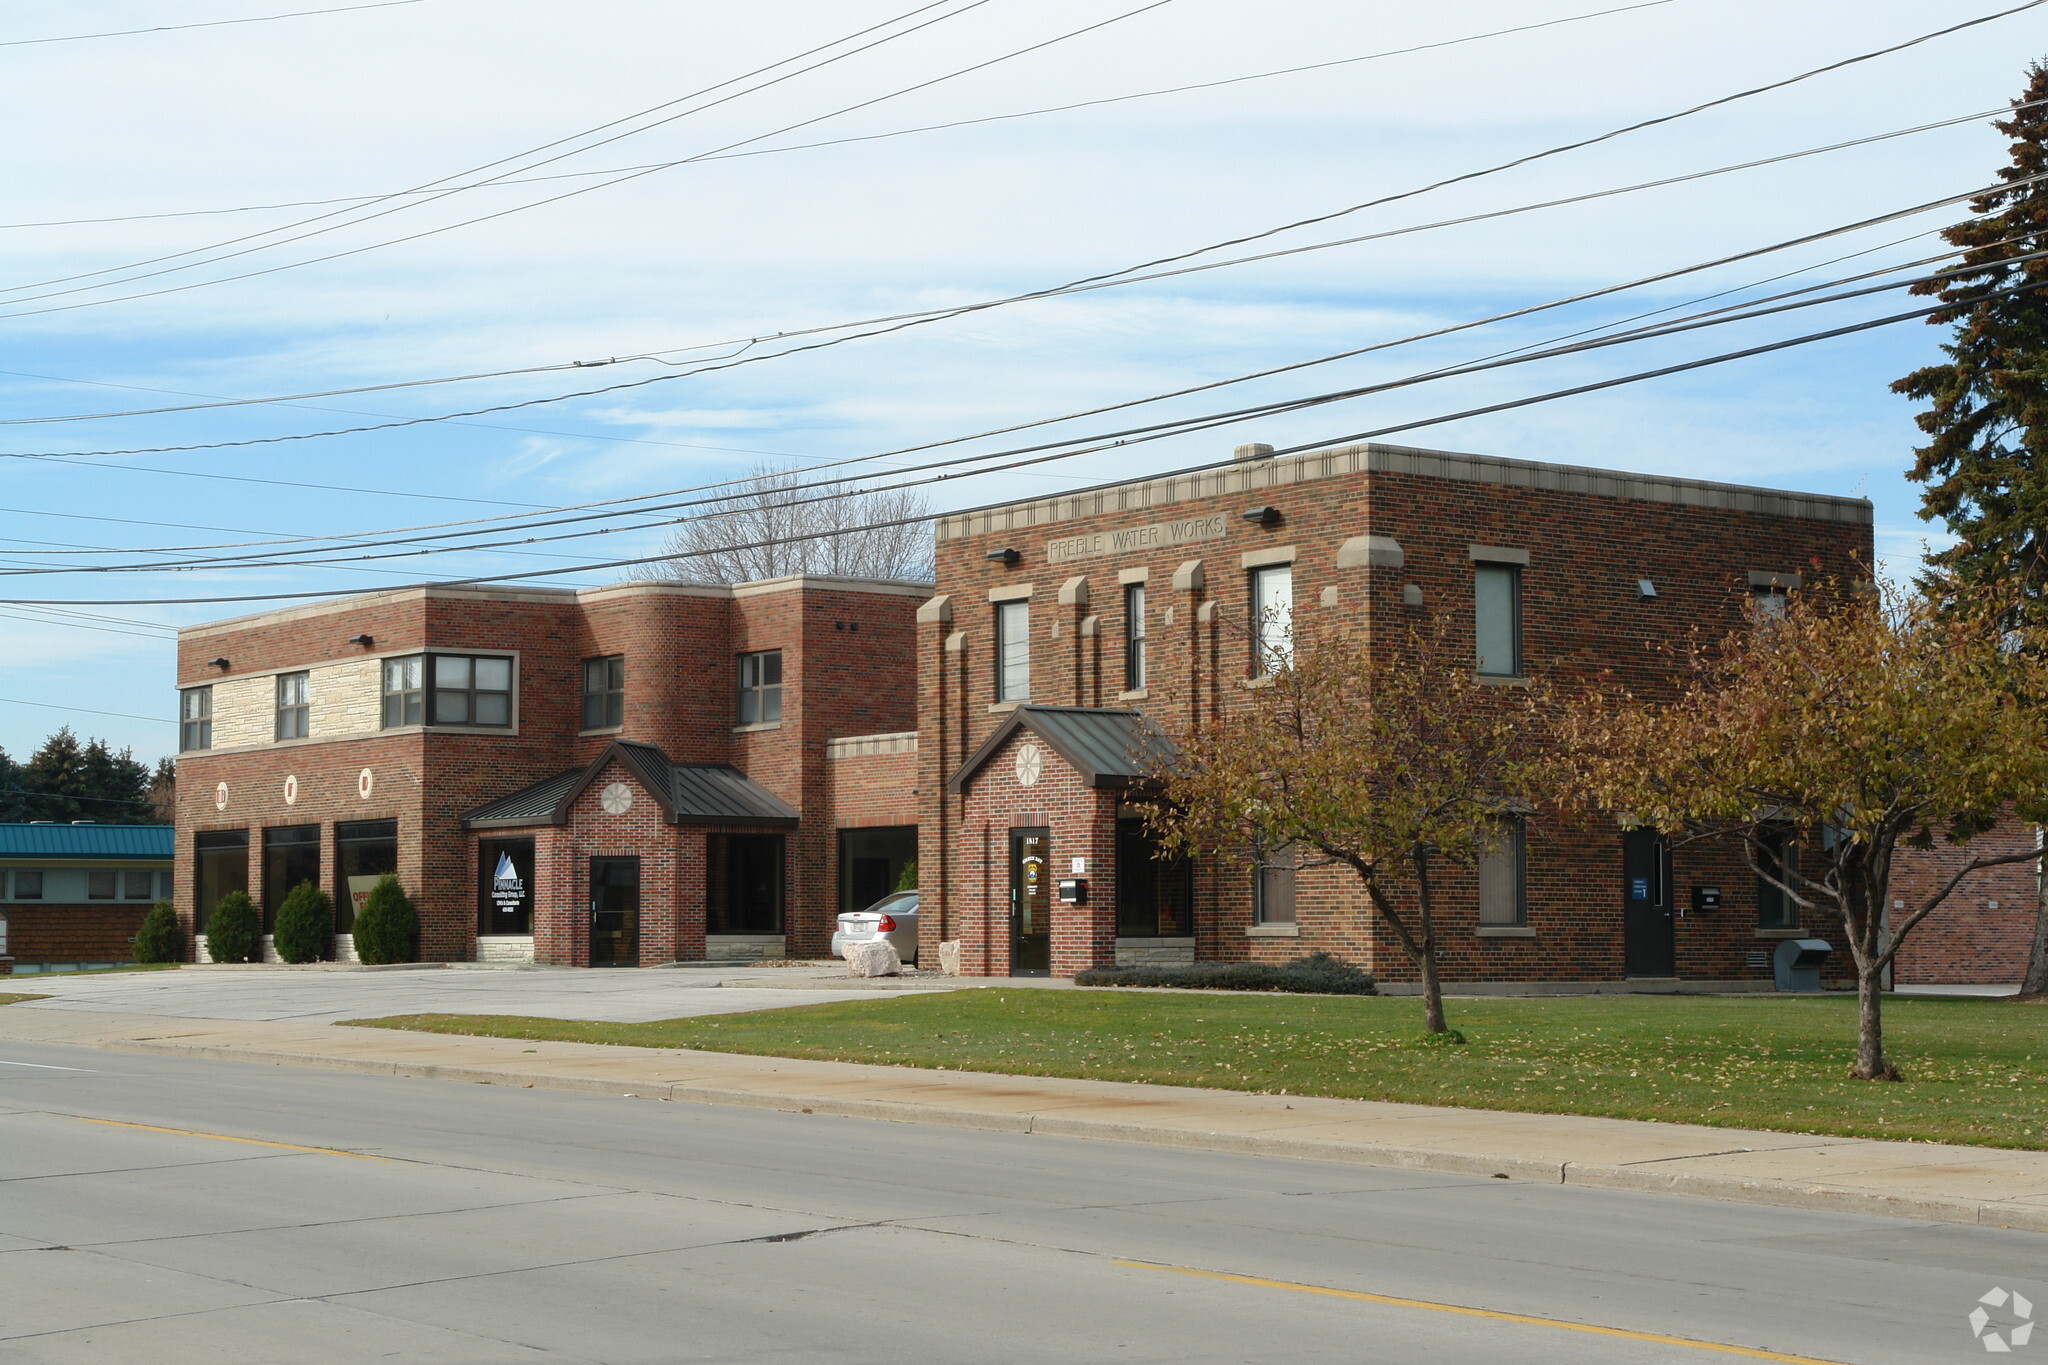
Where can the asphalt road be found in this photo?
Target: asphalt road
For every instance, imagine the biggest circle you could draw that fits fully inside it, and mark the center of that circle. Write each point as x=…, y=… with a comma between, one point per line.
x=170, y=1210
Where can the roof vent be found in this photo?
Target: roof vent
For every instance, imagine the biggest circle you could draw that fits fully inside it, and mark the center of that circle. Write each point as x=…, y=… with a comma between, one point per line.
x=85, y=822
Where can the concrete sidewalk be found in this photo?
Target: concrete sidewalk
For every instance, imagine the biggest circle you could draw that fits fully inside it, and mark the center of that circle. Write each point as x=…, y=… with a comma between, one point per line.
x=1977, y=1185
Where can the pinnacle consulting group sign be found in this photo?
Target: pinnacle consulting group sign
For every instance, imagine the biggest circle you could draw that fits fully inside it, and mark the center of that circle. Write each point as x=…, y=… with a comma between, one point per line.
x=1136, y=539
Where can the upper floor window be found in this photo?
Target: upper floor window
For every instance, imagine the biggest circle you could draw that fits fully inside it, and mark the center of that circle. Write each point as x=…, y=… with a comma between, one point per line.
x=1497, y=618
x=448, y=689
x=1770, y=603
x=1503, y=881
x=604, y=692
x=292, y=710
x=1013, y=651
x=761, y=687
x=195, y=718
x=1272, y=597
x=1134, y=637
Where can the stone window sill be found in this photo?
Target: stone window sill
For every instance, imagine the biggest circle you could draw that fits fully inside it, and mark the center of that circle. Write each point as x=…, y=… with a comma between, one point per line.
x=1501, y=679
x=1504, y=931
x=1263, y=680
x=601, y=730
x=1135, y=694
x=1155, y=943
x=1273, y=931
x=1780, y=933
x=757, y=727
x=1003, y=708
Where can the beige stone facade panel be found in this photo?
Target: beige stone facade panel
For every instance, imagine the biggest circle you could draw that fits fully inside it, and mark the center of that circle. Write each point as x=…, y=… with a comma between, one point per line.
x=343, y=698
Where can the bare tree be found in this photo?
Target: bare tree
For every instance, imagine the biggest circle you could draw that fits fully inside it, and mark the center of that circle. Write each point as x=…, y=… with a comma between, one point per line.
x=778, y=524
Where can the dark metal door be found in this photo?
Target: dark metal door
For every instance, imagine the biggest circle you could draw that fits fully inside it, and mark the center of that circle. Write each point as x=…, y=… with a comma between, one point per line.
x=1030, y=901
x=1649, y=945
x=614, y=912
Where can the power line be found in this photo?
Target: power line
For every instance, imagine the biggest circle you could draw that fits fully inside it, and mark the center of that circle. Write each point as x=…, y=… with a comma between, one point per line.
x=622, y=508
x=84, y=710
x=211, y=23
x=497, y=182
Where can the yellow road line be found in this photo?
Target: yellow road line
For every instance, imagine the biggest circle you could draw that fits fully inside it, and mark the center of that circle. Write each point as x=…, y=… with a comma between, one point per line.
x=1522, y=1318
x=223, y=1137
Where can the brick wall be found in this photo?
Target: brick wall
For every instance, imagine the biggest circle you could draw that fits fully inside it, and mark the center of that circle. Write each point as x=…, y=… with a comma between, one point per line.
x=72, y=933
x=1982, y=933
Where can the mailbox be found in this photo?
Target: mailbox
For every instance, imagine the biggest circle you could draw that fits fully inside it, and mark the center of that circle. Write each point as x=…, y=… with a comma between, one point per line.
x=1706, y=898
x=1073, y=891
x=1797, y=963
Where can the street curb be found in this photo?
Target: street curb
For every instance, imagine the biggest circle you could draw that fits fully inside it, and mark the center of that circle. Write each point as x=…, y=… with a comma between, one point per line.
x=1725, y=1188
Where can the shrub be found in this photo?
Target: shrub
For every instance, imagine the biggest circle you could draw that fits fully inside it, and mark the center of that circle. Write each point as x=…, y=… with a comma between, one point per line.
x=160, y=939
x=1316, y=974
x=907, y=881
x=387, y=928
x=305, y=924
x=233, y=933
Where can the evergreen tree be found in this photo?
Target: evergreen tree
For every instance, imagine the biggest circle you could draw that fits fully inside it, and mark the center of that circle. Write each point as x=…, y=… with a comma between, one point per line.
x=163, y=791
x=14, y=797
x=1986, y=462
x=234, y=931
x=305, y=925
x=388, y=928
x=73, y=781
x=160, y=939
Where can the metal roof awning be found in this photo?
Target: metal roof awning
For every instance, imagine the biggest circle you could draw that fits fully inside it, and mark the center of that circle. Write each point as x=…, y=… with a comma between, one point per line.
x=118, y=843
x=1108, y=748
x=688, y=793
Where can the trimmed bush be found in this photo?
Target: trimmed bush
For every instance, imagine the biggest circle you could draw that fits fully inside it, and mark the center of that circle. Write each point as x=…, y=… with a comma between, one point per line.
x=160, y=939
x=233, y=932
x=908, y=880
x=387, y=928
x=1316, y=974
x=305, y=925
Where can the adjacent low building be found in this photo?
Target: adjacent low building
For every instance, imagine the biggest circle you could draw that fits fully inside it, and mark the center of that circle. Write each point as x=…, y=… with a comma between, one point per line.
x=73, y=895
x=628, y=775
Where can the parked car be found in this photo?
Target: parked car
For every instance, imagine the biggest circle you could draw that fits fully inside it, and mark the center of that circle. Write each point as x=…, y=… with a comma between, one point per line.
x=893, y=917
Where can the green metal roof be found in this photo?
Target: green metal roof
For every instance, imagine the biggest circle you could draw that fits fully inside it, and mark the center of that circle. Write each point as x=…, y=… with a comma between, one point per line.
x=689, y=793
x=1108, y=748
x=131, y=843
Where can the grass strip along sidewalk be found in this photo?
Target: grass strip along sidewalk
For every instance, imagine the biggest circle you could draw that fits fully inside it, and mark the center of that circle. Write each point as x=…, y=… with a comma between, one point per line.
x=1976, y=1070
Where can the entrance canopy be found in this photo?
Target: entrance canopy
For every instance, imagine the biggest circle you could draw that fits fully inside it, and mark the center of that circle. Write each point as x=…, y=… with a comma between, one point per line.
x=688, y=793
x=1107, y=748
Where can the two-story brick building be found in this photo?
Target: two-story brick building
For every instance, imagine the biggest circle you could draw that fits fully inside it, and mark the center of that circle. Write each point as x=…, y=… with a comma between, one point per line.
x=1072, y=635
x=643, y=773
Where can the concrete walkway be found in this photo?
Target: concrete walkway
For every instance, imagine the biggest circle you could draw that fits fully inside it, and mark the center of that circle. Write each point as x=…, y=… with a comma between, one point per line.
x=1985, y=1186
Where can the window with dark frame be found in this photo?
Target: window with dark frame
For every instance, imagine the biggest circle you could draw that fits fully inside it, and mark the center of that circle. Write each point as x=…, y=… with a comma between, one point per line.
x=1497, y=619
x=1769, y=601
x=1273, y=885
x=448, y=689
x=760, y=691
x=1134, y=637
x=743, y=891
x=1503, y=876
x=1272, y=603
x=1154, y=890
x=138, y=886
x=293, y=711
x=28, y=884
x=220, y=864
x=101, y=883
x=1777, y=855
x=195, y=718
x=1013, y=651
x=364, y=851
x=291, y=854
x=604, y=692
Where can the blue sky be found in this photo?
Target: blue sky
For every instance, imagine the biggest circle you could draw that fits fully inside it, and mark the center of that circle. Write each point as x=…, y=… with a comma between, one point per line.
x=383, y=99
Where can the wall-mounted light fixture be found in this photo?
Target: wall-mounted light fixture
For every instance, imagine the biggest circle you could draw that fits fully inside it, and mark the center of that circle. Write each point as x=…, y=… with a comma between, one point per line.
x=216, y=663
x=1262, y=516
x=363, y=640
x=1645, y=590
x=1005, y=557
x=1411, y=595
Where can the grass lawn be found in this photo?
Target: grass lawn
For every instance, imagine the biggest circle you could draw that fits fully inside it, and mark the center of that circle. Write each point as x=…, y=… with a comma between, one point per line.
x=16, y=997
x=1976, y=1070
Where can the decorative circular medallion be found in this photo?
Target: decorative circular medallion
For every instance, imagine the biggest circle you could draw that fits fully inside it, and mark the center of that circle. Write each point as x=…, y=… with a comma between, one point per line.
x=220, y=797
x=291, y=790
x=365, y=784
x=616, y=799
x=1030, y=765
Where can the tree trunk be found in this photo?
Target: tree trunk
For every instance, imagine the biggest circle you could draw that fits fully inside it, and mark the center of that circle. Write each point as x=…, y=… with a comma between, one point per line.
x=1432, y=995
x=1425, y=960
x=2036, y=982
x=1870, y=1062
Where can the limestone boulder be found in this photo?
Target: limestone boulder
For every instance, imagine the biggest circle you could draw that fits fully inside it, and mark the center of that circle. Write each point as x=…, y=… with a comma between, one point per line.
x=877, y=957
x=949, y=957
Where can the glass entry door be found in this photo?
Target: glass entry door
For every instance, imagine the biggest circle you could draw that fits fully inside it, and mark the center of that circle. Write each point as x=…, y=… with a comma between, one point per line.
x=1649, y=946
x=614, y=912
x=1030, y=902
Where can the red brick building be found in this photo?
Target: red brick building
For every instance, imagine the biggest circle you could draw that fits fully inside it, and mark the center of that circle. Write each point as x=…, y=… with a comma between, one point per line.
x=1981, y=935
x=1069, y=631
x=643, y=773
x=73, y=895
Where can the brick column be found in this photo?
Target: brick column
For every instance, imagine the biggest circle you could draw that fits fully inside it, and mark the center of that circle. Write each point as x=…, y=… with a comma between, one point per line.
x=938, y=721
x=1073, y=601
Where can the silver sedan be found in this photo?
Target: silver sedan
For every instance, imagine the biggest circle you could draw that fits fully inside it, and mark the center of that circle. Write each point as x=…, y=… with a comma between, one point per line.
x=894, y=917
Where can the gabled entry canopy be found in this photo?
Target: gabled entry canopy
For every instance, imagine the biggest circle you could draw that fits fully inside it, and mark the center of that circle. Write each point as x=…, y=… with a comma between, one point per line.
x=688, y=793
x=1107, y=748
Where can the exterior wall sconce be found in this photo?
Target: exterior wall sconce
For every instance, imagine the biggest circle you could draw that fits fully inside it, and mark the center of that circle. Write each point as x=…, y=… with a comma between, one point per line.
x=216, y=663
x=363, y=640
x=1411, y=595
x=1005, y=557
x=1263, y=516
x=1645, y=590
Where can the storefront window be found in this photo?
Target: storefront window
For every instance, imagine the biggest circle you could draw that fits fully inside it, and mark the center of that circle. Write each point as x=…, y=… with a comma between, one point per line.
x=872, y=863
x=365, y=850
x=1153, y=890
x=291, y=854
x=743, y=884
x=220, y=864
x=504, y=893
